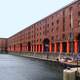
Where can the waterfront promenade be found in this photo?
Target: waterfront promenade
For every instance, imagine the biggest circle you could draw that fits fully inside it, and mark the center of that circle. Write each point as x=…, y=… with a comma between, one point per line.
x=51, y=57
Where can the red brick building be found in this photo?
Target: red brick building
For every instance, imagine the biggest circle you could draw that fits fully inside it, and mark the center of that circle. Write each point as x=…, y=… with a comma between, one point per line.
x=3, y=44
x=58, y=32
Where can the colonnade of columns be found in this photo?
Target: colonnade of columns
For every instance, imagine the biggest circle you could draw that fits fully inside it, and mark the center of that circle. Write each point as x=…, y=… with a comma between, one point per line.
x=40, y=47
x=75, y=47
x=26, y=48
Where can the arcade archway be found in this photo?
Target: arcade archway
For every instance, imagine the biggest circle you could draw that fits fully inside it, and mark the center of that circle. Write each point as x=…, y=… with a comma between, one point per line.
x=64, y=45
x=29, y=46
x=20, y=47
x=46, y=45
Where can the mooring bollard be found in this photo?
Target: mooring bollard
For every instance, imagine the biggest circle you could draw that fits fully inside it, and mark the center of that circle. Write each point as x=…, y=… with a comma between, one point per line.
x=77, y=72
x=69, y=74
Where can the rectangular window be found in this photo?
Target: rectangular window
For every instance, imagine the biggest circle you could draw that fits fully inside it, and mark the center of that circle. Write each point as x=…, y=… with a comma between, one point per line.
x=71, y=18
x=52, y=23
x=52, y=38
x=79, y=19
x=40, y=33
x=57, y=21
x=40, y=40
x=40, y=28
x=64, y=37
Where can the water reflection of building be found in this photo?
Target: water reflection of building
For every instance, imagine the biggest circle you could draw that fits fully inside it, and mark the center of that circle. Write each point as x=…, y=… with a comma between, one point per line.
x=58, y=32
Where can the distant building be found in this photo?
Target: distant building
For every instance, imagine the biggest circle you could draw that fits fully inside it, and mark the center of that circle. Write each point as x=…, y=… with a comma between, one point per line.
x=58, y=32
x=3, y=44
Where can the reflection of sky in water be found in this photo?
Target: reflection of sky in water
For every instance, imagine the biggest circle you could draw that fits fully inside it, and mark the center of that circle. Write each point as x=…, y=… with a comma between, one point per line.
x=19, y=68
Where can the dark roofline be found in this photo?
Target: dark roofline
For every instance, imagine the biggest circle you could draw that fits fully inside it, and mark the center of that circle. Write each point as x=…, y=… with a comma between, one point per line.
x=73, y=2
x=3, y=38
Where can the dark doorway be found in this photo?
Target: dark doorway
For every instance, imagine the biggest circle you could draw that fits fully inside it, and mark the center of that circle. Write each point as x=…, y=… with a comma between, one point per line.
x=78, y=42
x=32, y=48
x=64, y=45
x=46, y=45
x=58, y=47
x=37, y=47
x=40, y=47
x=52, y=47
x=14, y=47
x=20, y=47
x=29, y=46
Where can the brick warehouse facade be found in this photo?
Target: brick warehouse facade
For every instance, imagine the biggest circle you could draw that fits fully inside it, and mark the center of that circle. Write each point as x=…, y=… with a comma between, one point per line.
x=3, y=44
x=58, y=32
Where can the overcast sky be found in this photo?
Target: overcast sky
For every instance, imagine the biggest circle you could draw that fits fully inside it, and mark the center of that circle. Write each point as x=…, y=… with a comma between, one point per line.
x=16, y=15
